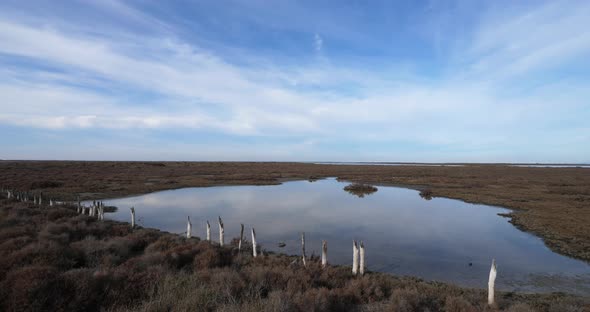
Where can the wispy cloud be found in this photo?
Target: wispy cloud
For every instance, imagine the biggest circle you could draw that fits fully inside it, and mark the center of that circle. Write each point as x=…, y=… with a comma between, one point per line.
x=543, y=37
x=318, y=42
x=488, y=102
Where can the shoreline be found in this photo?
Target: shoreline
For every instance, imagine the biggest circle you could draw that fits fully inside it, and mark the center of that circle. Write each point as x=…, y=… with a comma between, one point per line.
x=113, y=259
x=550, y=203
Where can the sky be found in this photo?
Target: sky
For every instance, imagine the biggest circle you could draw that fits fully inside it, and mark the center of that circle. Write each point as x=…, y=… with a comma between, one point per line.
x=421, y=81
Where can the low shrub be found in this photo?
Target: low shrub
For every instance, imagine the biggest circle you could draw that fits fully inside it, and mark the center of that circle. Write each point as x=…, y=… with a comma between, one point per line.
x=53, y=260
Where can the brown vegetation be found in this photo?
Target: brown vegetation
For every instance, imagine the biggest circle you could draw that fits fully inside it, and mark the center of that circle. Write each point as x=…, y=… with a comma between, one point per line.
x=55, y=260
x=426, y=194
x=360, y=189
x=552, y=203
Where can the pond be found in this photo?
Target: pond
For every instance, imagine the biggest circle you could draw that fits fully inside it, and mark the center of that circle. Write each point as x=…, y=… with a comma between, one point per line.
x=439, y=239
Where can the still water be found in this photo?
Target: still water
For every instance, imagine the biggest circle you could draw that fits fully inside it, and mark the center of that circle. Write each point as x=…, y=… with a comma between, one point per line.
x=404, y=234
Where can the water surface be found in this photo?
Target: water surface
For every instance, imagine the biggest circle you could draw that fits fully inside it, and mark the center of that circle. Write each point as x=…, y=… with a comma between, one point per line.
x=404, y=234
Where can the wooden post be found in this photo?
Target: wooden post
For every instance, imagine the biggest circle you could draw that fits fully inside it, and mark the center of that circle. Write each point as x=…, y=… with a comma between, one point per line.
x=241, y=237
x=101, y=211
x=324, y=253
x=491, y=283
x=221, y=232
x=132, y=217
x=254, y=252
x=208, y=231
x=189, y=227
x=303, y=248
x=362, y=259
x=355, y=257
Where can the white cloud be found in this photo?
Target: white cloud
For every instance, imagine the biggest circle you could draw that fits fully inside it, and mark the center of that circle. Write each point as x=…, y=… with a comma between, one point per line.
x=510, y=42
x=318, y=42
x=197, y=89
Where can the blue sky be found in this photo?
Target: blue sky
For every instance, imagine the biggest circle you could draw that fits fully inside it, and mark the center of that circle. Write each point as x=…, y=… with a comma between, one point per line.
x=434, y=81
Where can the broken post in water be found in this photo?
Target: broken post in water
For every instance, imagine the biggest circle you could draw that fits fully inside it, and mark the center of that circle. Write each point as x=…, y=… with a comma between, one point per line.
x=324, y=253
x=303, y=248
x=355, y=257
x=254, y=252
x=491, y=283
x=221, y=232
x=241, y=237
x=362, y=259
x=132, y=217
x=189, y=227
x=208, y=231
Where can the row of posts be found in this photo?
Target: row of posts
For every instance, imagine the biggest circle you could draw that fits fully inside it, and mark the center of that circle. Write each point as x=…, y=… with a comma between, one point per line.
x=94, y=210
x=358, y=266
x=27, y=197
x=358, y=251
x=358, y=248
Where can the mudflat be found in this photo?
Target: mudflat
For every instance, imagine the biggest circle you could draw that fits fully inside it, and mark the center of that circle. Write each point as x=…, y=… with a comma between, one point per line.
x=553, y=203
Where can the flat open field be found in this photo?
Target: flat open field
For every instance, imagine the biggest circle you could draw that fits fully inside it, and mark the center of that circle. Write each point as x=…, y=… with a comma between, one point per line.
x=553, y=203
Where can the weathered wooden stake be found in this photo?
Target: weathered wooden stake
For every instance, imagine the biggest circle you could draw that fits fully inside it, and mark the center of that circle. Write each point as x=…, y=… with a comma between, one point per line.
x=132, y=217
x=221, y=232
x=362, y=259
x=241, y=237
x=189, y=227
x=324, y=253
x=101, y=211
x=303, y=248
x=208, y=231
x=254, y=252
x=355, y=257
x=491, y=283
